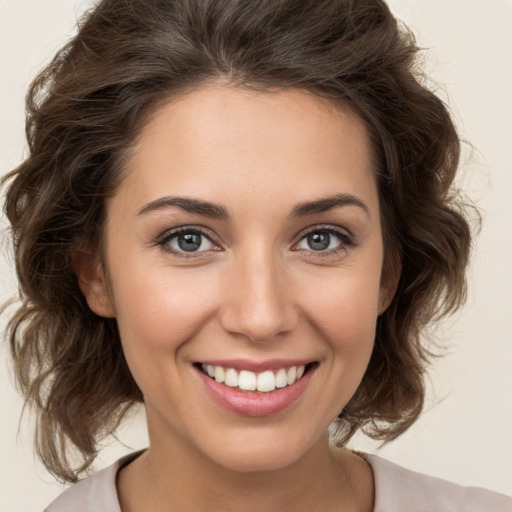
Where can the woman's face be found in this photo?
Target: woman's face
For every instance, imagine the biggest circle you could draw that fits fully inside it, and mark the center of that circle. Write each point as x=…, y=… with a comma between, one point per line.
x=245, y=240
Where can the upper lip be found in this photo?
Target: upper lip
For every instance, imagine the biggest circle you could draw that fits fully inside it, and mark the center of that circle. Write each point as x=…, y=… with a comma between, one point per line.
x=257, y=366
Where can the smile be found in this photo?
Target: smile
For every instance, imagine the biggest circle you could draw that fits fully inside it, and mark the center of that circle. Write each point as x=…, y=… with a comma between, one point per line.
x=246, y=380
x=265, y=389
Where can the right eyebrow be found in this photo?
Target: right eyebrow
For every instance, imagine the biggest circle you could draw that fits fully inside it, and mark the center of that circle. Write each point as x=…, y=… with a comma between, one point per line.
x=188, y=204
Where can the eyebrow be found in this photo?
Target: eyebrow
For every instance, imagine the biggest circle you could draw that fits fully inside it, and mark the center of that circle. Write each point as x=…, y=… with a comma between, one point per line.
x=328, y=203
x=188, y=204
x=215, y=211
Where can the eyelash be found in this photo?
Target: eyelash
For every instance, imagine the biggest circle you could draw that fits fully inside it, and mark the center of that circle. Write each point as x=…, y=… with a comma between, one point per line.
x=347, y=240
x=164, y=240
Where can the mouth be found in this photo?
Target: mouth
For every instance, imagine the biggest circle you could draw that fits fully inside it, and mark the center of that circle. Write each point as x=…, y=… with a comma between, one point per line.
x=248, y=381
x=255, y=389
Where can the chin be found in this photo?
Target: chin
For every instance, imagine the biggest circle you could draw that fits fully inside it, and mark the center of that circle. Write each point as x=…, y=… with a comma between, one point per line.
x=265, y=451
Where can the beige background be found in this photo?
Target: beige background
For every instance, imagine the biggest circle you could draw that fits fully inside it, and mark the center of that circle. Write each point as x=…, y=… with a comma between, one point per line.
x=465, y=436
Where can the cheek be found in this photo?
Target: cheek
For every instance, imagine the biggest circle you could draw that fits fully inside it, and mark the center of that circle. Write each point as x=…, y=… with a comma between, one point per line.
x=160, y=311
x=345, y=308
x=344, y=311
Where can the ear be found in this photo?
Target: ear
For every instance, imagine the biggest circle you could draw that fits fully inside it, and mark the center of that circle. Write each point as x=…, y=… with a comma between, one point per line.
x=390, y=277
x=92, y=282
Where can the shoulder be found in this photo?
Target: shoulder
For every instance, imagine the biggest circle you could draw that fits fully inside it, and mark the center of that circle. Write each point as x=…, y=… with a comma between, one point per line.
x=95, y=493
x=401, y=490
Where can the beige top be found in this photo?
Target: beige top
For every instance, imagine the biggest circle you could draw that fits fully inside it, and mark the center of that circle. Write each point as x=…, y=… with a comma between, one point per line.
x=396, y=490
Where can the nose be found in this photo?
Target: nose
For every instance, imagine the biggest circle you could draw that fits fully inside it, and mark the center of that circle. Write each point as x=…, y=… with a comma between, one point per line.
x=258, y=301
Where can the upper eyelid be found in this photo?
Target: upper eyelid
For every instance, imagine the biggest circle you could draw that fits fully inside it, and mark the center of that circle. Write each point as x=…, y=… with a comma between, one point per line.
x=325, y=227
x=207, y=231
x=169, y=233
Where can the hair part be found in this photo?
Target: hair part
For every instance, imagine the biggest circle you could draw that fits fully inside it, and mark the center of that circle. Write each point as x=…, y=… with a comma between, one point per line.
x=84, y=112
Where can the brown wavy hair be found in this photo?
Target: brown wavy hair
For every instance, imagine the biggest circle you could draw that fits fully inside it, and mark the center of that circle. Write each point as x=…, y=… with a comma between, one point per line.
x=84, y=111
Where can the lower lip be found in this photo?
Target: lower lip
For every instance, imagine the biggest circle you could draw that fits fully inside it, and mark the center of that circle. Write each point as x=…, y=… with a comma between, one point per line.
x=252, y=403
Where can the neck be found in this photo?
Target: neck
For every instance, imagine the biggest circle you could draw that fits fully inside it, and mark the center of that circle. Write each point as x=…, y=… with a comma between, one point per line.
x=171, y=478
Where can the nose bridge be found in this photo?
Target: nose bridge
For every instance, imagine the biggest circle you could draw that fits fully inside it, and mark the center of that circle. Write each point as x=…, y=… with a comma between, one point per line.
x=259, y=305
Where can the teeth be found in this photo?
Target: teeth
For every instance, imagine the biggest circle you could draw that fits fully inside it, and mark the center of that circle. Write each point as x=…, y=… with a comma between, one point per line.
x=281, y=378
x=219, y=374
x=231, y=378
x=266, y=381
x=291, y=376
x=246, y=380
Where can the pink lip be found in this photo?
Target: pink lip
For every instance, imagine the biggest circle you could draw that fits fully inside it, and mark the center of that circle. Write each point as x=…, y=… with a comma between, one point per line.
x=257, y=366
x=254, y=403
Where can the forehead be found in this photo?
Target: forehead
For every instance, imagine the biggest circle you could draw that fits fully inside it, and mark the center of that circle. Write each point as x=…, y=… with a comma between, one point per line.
x=221, y=142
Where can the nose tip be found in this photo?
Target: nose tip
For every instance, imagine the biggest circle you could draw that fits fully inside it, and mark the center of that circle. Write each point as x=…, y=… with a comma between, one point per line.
x=257, y=325
x=259, y=307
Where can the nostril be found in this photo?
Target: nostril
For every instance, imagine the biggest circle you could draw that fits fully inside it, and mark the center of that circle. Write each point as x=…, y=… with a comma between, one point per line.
x=259, y=312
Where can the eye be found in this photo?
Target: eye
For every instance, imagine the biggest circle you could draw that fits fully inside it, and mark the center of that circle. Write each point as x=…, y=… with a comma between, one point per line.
x=186, y=240
x=328, y=240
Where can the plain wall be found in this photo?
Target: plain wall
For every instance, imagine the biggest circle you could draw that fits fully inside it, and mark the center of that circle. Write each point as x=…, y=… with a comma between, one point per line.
x=465, y=434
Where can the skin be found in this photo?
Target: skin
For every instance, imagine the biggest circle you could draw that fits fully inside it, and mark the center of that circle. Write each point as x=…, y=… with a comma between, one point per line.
x=257, y=291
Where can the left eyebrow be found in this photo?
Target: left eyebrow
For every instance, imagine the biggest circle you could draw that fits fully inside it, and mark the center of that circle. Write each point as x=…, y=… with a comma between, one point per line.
x=328, y=203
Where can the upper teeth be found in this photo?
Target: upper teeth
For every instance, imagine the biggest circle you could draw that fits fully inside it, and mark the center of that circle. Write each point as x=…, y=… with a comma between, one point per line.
x=251, y=381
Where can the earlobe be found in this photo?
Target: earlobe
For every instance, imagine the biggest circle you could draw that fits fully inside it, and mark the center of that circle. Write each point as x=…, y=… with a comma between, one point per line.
x=92, y=282
x=389, y=280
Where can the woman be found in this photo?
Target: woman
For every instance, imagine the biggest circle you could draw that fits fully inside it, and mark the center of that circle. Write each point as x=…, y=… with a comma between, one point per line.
x=231, y=213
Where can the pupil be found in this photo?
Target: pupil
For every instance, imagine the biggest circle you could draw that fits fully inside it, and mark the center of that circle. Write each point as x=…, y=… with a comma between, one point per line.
x=319, y=241
x=189, y=242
